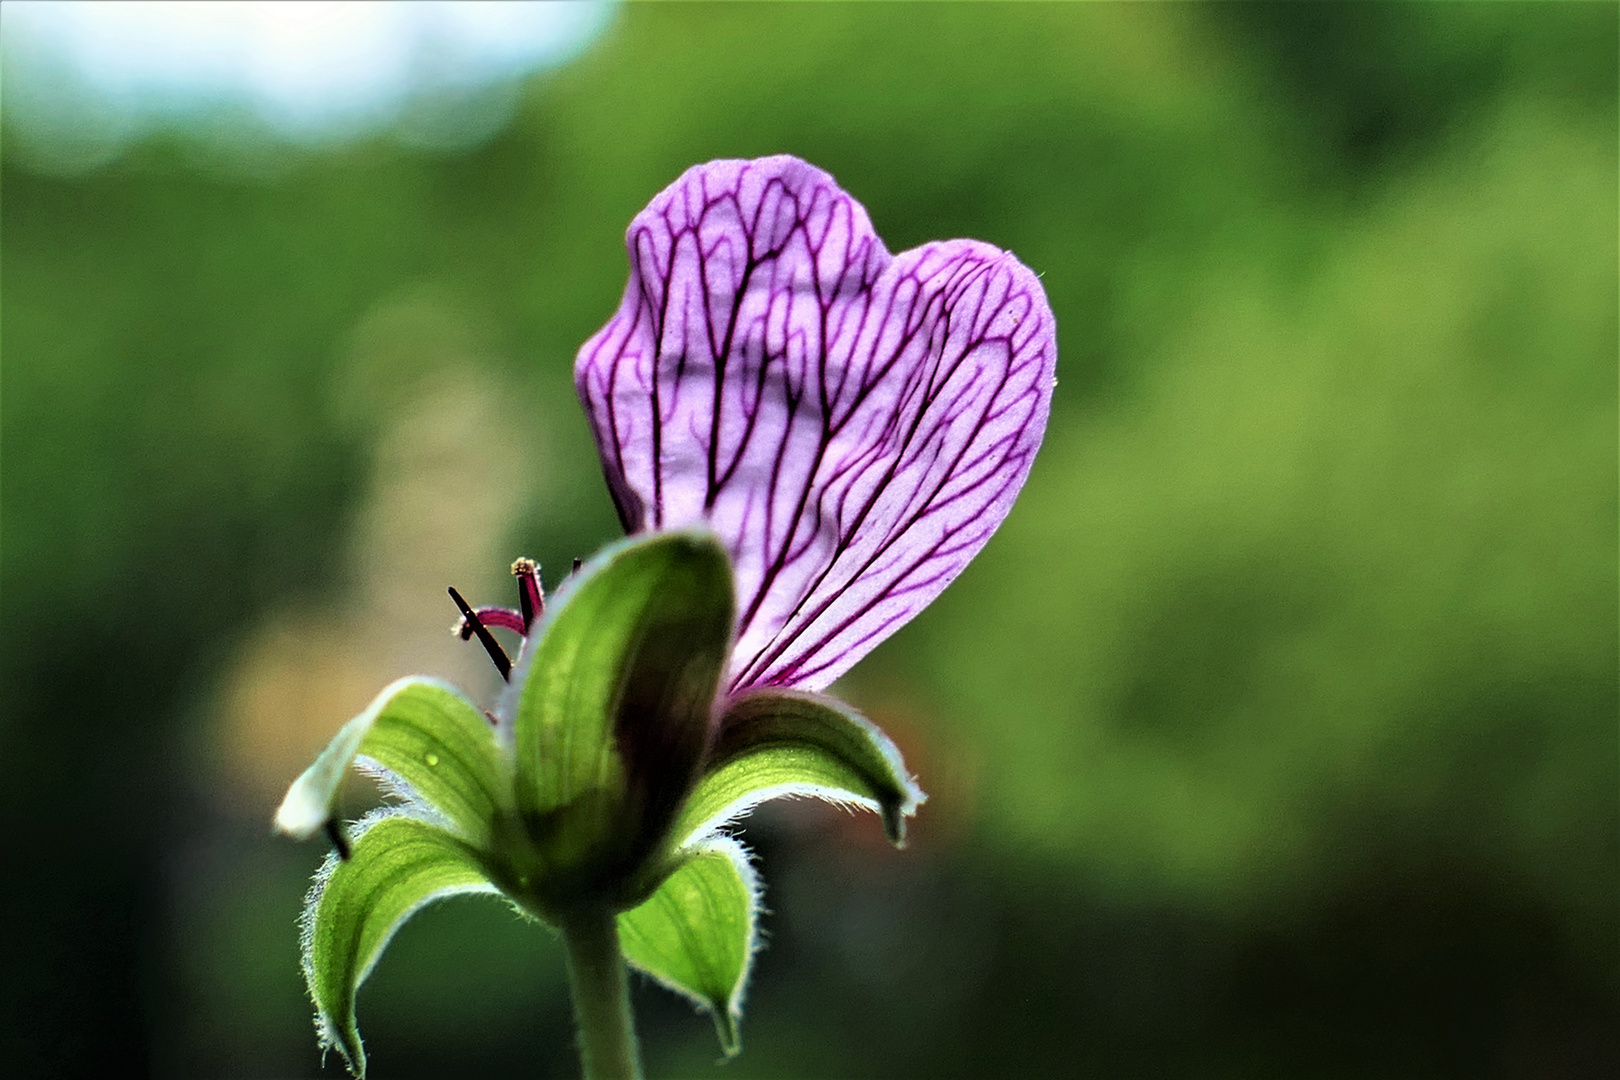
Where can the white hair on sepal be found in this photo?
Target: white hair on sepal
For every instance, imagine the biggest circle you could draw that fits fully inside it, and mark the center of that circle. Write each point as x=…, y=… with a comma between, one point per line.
x=740, y=808
x=403, y=794
x=306, y=919
x=356, y=831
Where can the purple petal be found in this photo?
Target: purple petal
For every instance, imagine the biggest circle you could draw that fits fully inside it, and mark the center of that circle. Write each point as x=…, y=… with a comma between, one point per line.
x=854, y=425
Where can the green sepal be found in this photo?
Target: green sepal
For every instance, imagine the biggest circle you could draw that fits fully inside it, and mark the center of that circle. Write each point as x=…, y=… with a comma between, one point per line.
x=398, y=864
x=612, y=706
x=775, y=743
x=695, y=934
x=433, y=745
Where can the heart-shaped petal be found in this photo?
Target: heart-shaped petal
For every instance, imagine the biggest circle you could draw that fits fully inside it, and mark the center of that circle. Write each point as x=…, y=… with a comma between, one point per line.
x=853, y=425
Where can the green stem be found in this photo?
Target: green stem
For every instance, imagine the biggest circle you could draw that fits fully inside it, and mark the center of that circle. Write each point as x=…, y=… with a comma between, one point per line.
x=607, y=1038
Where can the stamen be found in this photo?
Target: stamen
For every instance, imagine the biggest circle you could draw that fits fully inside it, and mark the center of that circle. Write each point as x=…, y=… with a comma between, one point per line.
x=496, y=654
x=339, y=838
x=496, y=618
x=531, y=597
x=578, y=562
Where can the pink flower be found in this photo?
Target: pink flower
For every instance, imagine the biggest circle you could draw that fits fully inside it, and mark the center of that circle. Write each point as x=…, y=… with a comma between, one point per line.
x=854, y=425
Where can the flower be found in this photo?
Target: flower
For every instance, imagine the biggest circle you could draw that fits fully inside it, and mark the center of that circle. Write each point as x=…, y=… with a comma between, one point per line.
x=807, y=439
x=853, y=424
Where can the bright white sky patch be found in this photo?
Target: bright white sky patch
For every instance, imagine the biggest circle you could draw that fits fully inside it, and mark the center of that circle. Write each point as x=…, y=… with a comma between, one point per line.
x=85, y=77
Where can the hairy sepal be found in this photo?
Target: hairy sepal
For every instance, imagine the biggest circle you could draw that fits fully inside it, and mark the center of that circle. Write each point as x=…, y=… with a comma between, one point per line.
x=696, y=934
x=775, y=743
x=398, y=864
x=614, y=708
x=432, y=746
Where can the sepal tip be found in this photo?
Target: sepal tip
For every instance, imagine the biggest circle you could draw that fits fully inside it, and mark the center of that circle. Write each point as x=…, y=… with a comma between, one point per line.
x=304, y=811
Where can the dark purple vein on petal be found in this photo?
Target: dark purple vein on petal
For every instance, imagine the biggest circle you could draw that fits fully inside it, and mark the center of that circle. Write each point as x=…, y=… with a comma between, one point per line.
x=794, y=671
x=655, y=401
x=847, y=511
x=846, y=532
x=830, y=430
x=787, y=637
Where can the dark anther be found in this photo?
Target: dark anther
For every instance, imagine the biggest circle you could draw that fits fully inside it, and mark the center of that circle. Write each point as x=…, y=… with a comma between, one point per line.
x=339, y=838
x=531, y=600
x=485, y=638
x=578, y=562
x=525, y=605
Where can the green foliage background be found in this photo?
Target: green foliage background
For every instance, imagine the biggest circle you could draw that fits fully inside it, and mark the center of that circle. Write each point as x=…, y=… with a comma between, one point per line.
x=1275, y=733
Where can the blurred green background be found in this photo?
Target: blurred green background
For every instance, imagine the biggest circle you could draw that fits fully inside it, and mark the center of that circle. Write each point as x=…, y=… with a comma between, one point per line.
x=1275, y=734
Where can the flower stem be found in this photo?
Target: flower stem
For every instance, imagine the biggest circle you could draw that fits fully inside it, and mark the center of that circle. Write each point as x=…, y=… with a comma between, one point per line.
x=607, y=1038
